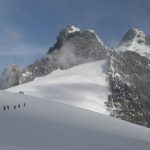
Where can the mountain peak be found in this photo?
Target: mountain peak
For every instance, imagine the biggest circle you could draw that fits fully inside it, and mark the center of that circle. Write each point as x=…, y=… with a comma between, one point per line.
x=71, y=33
x=71, y=29
x=134, y=34
x=67, y=30
x=135, y=40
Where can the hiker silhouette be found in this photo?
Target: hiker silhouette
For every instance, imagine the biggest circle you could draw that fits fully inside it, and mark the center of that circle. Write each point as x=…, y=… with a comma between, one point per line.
x=18, y=105
x=8, y=107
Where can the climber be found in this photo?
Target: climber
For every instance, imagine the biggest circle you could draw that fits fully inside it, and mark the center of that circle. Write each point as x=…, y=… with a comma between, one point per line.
x=8, y=107
x=4, y=108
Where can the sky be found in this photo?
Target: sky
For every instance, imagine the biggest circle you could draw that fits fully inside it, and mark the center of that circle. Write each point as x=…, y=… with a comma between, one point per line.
x=29, y=27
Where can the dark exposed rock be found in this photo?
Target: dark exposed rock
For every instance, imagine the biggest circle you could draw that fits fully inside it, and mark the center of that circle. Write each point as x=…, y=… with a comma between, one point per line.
x=85, y=43
x=129, y=81
x=129, y=36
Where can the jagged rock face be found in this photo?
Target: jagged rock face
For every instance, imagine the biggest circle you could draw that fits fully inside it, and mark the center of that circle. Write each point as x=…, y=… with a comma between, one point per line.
x=130, y=35
x=85, y=44
x=130, y=86
x=63, y=36
x=134, y=34
x=44, y=66
x=73, y=47
x=136, y=40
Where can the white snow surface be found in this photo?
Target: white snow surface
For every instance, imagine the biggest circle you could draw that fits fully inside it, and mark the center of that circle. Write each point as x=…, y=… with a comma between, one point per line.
x=85, y=86
x=72, y=29
x=50, y=125
x=133, y=45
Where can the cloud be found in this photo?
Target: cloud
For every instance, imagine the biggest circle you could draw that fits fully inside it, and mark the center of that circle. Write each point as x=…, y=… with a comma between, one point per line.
x=22, y=49
x=15, y=49
x=67, y=56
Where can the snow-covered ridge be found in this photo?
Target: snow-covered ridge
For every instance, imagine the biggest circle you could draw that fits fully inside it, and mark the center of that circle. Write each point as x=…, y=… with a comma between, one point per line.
x=134, y=40
x=85, y=86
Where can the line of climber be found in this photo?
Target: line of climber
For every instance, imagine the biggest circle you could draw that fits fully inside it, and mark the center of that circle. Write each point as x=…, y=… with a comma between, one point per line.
x=14, y=107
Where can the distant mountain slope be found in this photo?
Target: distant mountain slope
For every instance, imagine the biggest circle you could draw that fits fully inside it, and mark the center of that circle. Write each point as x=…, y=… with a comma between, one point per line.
x=85, y=86
x=45, y=125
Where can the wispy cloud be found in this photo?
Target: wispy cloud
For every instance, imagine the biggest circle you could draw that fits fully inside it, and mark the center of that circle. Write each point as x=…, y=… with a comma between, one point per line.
x=15, y=49
x=22, y=49
x=12, y=42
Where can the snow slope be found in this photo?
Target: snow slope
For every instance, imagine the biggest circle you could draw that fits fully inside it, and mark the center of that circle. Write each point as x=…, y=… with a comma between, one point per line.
x=50, y=125
x=84, y=86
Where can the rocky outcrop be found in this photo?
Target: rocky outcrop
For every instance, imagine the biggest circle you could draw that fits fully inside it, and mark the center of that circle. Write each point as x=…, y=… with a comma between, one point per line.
x=130, y=85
